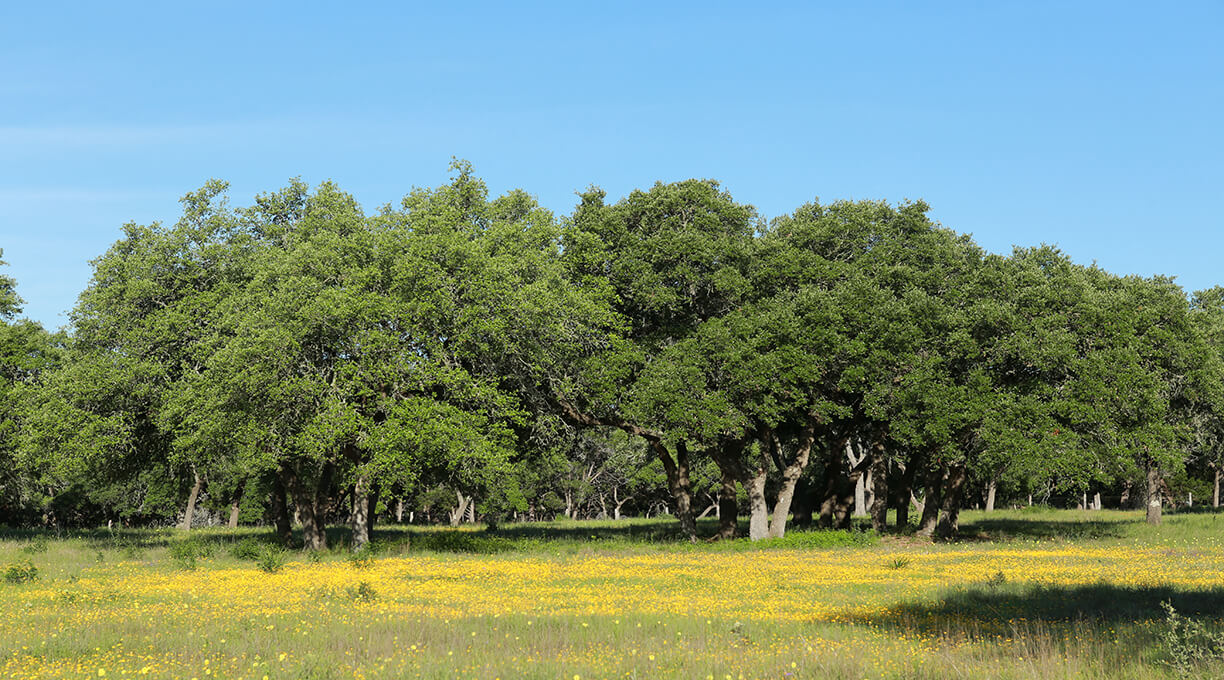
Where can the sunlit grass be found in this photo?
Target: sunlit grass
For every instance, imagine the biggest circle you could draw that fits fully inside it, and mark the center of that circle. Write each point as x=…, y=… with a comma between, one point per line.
x=617, y=600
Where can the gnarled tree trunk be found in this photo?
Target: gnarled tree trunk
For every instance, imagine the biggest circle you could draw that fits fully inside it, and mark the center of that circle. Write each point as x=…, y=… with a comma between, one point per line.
x=1153, y=493
x=990, y=495
x=360, y=518
x=678, y=482
x=949, y=520
x=879, y=481
x=790, y=477
x=280, y=510
x=189, y=512
x=930, y=503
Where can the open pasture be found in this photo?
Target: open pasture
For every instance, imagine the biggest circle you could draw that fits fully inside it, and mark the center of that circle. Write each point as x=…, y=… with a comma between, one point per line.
x=1056, y=594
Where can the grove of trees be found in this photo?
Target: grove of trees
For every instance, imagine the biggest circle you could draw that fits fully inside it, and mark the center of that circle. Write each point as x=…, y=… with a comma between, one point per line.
x=460, y=357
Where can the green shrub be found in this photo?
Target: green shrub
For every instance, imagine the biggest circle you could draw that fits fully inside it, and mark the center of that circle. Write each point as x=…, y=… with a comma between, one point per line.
x=35, y=547
x=1188, y=642
x=246, y=549
x=271, y=559
x=186, y=553
x=22, y=572
x=362, y=592
x=362, y=559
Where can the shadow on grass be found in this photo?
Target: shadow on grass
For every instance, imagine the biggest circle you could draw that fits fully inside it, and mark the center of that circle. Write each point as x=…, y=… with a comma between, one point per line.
x=1031, y=528
x=994, y=607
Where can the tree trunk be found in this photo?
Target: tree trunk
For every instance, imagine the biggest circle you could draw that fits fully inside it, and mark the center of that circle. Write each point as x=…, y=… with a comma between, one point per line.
x=949, y=520
x=855, y=455
x=361, y=513
x=834, y=472
x=728, y=506
x=758, y=518
x=456, y=515
x=790, y=477
x=1153, y=493
x=1215, y=495
x=311, y=504
x=236, y=505
x=930, y=504
x=905, y=491
x=189, y=513
x=879, y=492
x=399, y=511
x=990, y=495
x=1096, y=501
x=677, y=470
x=280, y=510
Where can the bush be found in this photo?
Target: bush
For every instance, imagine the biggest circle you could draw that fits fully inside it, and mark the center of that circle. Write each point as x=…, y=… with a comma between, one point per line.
x=1188, y=642
x=38, y=545
x=270, y=559
x=362, y=559
x=22, y=572
x=185, y=553
x=362, y=592
x=246, y=549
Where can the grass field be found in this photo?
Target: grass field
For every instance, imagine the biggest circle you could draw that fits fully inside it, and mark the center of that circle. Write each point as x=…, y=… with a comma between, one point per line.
x=1054, y=594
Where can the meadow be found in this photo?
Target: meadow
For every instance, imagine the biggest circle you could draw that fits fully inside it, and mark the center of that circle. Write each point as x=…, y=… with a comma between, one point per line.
x=1023, y=594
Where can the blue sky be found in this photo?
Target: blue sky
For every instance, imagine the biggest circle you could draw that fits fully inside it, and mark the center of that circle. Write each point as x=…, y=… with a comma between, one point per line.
x=1098, y=127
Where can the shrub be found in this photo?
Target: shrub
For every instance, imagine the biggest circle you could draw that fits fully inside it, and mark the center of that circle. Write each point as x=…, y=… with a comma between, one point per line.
x=38, y=545
x=185, y=553
x=362, y=559
x=270, y=559
x=22, y=572
x=246, y=549
x=1188, y=642
x=362, y=592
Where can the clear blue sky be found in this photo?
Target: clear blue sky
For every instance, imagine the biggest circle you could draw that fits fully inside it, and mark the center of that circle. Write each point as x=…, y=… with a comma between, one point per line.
x=1095, y=126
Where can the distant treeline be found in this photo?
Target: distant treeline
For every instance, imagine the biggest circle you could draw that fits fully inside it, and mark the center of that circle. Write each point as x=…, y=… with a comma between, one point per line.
x=456, y=357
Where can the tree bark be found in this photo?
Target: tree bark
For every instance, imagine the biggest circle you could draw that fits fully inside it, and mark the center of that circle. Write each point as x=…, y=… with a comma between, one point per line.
x=855, y=455
x=280, y=510
x=1153, y=493
x=834, y=473
x=1215, y=495
x=677, y=470
x=930, y=504
x=990, y=495
x=879, y=482
x=189, y=512
x=311, y=504
x=790, y=477
x=905, y=491
x=236, y=506
x=949, y=520
x=758, y=517
x=361, y=513
x=456, y=515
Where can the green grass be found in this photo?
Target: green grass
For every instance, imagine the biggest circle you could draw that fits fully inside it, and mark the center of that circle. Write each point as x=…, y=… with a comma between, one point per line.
x=935, y=624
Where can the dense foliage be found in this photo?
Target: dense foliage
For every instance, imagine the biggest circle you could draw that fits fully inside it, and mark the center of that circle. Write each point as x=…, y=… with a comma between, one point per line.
x=459, y=357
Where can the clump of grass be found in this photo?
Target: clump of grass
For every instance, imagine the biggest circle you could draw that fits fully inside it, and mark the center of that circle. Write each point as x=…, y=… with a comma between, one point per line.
x=21, y=572
x=271, y=559
x=186, y=553
x=362, y=559
x=996, y=579
x=362, y=592
x=35, y=547
x=898, y=563
x=246, y=549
